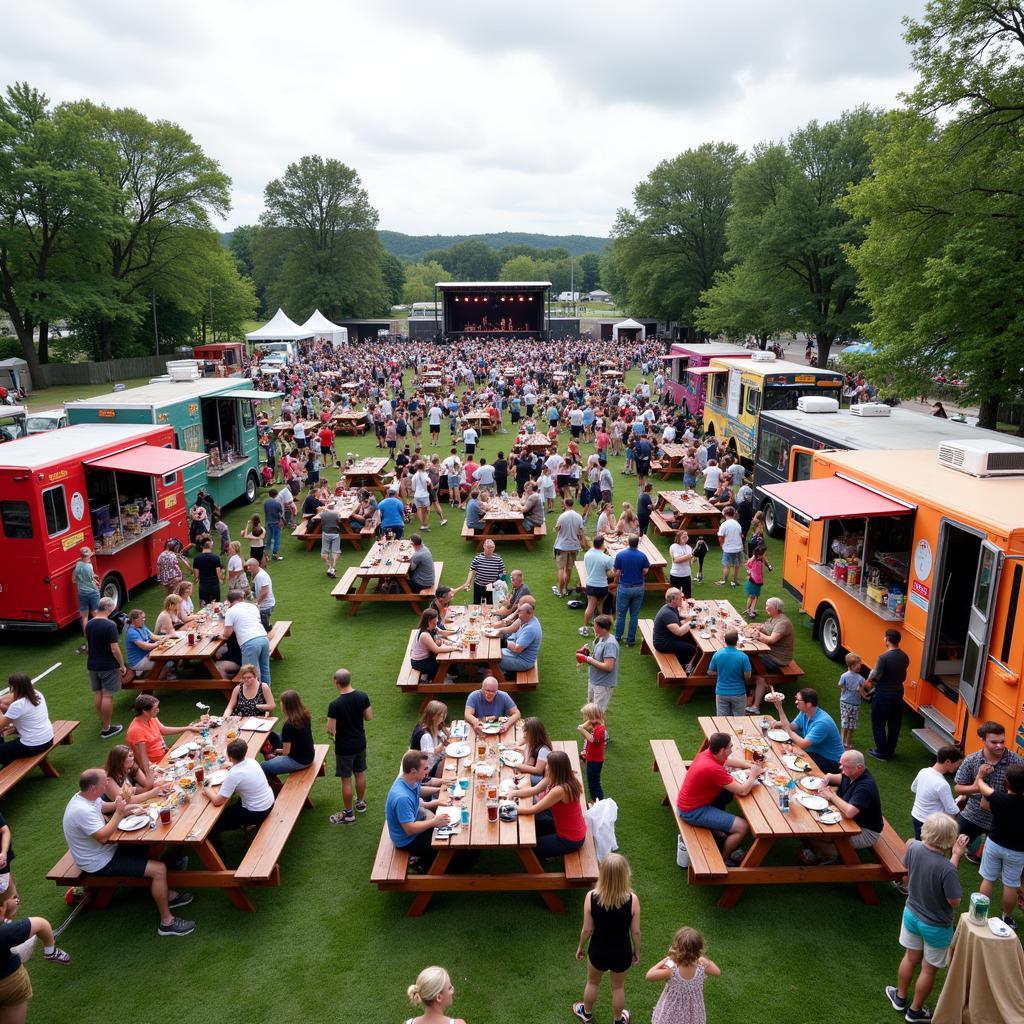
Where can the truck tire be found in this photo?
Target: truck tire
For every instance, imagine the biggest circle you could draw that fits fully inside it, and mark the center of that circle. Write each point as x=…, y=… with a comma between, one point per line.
x=252, y=486
x=114, y=588
x=830, y=635
x=771, y=519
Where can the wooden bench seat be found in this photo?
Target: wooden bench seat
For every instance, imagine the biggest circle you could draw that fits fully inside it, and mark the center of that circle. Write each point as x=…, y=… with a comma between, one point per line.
x=581, y=865
x=309, y=536
x=277, y=632
x=391, y=865
x=670, y=669
x=346, y=584
x=706, y=860
x=785, y=674
x=537, y=533
x=11, y=774
x=663, y=527
x=890, y=851
x=346, y=589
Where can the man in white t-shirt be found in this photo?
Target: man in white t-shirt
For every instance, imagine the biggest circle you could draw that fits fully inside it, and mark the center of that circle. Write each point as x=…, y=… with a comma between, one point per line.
x=243, y=621
x=730, y=536
x=434, y=420
x=255, y=797
x=421, y=494
x=88, y=832
x=469, y=439
x=262, y=591
x=568, y=530
x=712, y=478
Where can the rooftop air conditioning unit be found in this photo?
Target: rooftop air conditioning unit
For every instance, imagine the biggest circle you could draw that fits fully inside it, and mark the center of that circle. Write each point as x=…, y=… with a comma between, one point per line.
x=817, y=403
x=184, y=369
x=982, y=458
x=870, y=409
x=763, y=357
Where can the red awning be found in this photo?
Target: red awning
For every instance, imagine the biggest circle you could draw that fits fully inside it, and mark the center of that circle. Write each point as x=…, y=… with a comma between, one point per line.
x=833, y=498
x=676, y=355
x=705, y=371
x=147, y=459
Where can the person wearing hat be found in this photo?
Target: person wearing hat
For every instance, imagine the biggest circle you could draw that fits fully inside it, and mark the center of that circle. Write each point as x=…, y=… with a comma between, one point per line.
x=87, y=585
x=392, y=513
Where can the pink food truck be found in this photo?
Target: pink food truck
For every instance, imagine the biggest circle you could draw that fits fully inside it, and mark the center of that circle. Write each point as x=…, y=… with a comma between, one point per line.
x=686, y=370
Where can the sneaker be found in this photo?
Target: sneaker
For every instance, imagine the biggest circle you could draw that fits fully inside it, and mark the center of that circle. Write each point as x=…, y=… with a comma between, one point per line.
x=57, y=956
x=181, y=899
x=360, y=806
x=752, y=710
x=736, y=857
x=556, y=592
x=177, y=926
x=625, y=1018
x=584, y=631
x=900, y=887
x=113, y=730
x=923, y=1014
x=700, y=579
x=1009, y=921
x=879, y=756
x=278, y=558
x=719, y=583
x=424, y=529
x=578, y=1011
x=444, y=522
x=733, y=583
x=899, y=1003
x=82, y=649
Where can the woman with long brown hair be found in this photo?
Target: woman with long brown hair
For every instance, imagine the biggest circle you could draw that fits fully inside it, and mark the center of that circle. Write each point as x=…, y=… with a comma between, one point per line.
x=24, y=711
x=296, y=751
x=563, y=828
x=535, y=749
x=126, y=778
x=430, y=735
x=425, y=648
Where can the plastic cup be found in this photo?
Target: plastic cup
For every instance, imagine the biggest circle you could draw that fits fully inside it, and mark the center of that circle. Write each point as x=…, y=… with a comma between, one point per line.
x=200, y=774
x=492, y=810
x=481, y=749
x=165, y=815
x=464, y=785
x=492, y=792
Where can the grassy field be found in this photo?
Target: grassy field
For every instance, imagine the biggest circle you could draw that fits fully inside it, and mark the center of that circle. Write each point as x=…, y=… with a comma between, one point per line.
x=54, y=398
x=327, y=942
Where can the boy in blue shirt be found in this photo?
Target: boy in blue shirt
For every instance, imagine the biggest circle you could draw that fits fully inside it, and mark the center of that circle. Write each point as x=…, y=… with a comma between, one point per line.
x=813, y=729
x=731, y=668
x=851, y=693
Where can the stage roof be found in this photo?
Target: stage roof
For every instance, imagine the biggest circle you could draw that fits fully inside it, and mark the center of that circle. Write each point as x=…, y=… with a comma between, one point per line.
x=495, y=285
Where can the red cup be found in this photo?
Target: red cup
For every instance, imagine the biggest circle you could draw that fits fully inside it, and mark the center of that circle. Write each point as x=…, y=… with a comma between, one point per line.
x=580, y=658
x=472, y=647
x=165, y=815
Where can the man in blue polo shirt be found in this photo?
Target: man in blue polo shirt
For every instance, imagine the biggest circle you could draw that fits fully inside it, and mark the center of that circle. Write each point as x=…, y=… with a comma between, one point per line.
x=631, y=566
x=392, y=513
x=731, y=668
x=523, y=645
x=409, y=821
x=813, y=730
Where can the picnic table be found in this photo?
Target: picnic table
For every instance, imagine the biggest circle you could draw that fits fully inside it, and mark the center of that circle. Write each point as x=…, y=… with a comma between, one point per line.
x=200, y=656
x=471, y=621
x=685, y=510
x=478, y=419
x=310, y=530
x=14, y=771
x=671, y=461
x=386, y=566
x=654, y=581
x=192, y=825
x=369, y=472
x=713, y=620
x=285, y=427
x=770, y=825
x=390, y=868
x=537, y=443
x=611, y=374
x=503, y=521
x=349, y=421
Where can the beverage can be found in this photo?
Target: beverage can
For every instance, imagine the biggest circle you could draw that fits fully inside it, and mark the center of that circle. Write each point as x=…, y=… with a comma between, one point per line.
x=979, y=908
x=465, y=816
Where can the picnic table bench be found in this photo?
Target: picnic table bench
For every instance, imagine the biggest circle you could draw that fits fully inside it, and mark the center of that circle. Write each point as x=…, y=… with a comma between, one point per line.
x=310, y=532
x=259, y=867
x=11, y=774
x=503, y=530
x=354, y=587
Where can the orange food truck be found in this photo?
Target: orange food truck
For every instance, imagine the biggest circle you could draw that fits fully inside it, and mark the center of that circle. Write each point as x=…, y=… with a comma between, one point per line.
x=114, y=487
x=930, y=543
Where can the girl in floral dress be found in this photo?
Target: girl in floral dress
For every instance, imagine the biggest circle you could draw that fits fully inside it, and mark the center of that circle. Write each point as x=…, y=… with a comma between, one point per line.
x=683, y=971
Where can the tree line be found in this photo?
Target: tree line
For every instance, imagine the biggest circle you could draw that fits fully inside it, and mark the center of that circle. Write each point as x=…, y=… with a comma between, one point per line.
x=903, y=226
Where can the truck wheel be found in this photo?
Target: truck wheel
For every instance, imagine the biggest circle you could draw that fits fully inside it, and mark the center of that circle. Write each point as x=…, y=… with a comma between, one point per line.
x=771, y=519
x=830, y=636
x=251, y=487
x=113, y=587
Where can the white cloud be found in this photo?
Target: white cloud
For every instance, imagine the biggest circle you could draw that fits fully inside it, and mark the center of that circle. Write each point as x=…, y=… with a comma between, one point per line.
x=463, y=116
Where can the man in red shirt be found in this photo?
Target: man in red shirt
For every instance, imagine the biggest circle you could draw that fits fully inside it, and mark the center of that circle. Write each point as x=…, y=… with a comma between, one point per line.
x=708, y=788
x=327, y=444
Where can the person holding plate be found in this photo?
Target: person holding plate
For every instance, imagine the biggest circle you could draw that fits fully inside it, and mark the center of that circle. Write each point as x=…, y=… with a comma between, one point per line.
x=856, y=799
x=489, y=704
x=813, y=730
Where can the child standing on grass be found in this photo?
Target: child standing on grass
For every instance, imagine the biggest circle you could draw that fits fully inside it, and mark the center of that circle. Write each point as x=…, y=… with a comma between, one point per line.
x=756, y=565
x=547, y=490
x=683, y=971
x=593, y=730
x=700, y=550
x=851, y=692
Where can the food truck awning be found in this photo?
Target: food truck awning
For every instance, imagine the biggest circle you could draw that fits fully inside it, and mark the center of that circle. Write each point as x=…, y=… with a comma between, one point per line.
x=704, y=371
x=147, y=459
x=675, y=355
x=833, y=497
x=254, y=396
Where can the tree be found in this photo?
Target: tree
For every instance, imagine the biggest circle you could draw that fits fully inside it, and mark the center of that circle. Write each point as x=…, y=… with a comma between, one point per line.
x=471, y=261
x=742, y=303
x=318, y=247
x=669, y=248
x=588, y=270
x=394, y=276
x=788, y=230
x=420, y=279
x=520, y=268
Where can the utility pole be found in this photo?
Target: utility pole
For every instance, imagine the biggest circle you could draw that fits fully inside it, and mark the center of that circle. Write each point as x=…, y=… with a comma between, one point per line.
x=156, y=335
x=572, y=282
x=213, y=337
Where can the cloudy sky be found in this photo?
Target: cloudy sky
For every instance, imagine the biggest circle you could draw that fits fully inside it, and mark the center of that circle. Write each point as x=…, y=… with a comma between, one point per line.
x=466, y=116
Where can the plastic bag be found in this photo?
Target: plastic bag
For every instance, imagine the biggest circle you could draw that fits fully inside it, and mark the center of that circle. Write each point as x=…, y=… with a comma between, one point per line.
x=499, y=591
x=601, y=818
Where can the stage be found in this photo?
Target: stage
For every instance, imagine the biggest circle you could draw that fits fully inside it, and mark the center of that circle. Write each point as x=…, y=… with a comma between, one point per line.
x=493, y=309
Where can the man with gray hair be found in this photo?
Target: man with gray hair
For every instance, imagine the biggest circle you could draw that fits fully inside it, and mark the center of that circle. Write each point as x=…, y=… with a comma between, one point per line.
x=243, y=621
x=857, y=799
x=262, y=591
x=105, y=664
x=777, y=633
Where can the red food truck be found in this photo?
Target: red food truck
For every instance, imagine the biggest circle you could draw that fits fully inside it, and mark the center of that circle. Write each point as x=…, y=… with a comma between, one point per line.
x=114, y=487
x=223, y=359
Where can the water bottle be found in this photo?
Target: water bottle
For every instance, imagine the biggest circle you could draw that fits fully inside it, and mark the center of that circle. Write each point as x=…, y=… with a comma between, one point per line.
x=784, y=800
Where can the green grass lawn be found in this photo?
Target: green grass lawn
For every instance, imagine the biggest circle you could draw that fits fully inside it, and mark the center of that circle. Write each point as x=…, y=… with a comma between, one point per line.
x=329, y=944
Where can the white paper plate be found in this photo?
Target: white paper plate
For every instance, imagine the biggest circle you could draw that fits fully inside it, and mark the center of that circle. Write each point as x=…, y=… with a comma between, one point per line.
x=450, y=814
x=779, y=735
x=811, y=783
x=483, y=769
x=133, y=822
x=217, y=777
x=999, y=928
x=813, y=803
x=705, y=636
x=832, y=817
x=457, y=749
x=257, y=724
x=505, y=787
x=181, y=751
x=491, y=728
x=512, y=758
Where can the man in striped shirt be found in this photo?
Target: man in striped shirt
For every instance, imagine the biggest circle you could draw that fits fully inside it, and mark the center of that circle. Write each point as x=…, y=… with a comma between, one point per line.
x=485, y=569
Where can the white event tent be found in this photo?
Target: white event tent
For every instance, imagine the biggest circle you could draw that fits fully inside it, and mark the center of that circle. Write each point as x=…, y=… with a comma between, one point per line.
x=324, y=330
x=279, y=328
x=629, y=325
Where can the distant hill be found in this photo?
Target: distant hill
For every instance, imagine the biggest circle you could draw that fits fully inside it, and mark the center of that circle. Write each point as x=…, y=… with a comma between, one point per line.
x=412, y=247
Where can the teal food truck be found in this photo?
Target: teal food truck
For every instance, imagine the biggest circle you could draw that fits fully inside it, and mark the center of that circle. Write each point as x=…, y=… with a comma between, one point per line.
x=214, y=417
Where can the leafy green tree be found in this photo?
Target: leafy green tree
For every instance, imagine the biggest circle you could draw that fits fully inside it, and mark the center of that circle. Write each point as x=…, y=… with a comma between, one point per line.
x=319, y=246
x=588, y=267
x=420, y=279
x=471, y=261
x=521, y=268
x=394, y=276
x=743, y=303
x=670, y=246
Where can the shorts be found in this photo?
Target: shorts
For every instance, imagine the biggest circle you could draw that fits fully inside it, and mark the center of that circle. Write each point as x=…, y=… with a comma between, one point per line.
x=16, y=988
x=347, y=764
x=934, y=940
x=129, y=861
x=421, y=501
x=997, y=861
x=89, y=602
x=435, y=428
x=849, y=715
x=330, y=544
x=710, y=817
x=769, y=664
x=753, y=589
x=108, y=680
x=597, y=591
x=600, y=695
x=731, y=558
x=643, y=467
x=576, y=431
x=565, y=559
x=683, y=583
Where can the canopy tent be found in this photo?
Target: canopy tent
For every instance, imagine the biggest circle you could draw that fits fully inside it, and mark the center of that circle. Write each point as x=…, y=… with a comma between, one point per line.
x=628, y=325
x=280, y=328
x=324, y=330
x=14, y=374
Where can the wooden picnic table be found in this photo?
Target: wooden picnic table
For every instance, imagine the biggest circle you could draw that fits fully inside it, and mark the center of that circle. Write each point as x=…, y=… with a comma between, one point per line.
x=534, y=443
x=309, y=531
x=284, y=427
x=348, y=421
x=370, y=472
x=14, y=771
x=611, y=374
x=386, y=565
x=503, y=521
x=486, y=653
x=672, y=456
x=654, y=581
x=479, y=420
x=769, y=824
x=682, y=510
x=519, y=837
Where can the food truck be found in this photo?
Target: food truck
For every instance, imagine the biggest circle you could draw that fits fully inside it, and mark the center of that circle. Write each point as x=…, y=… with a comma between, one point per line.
x=13, y=422
x=824, y=425
x=114, y=487
x=212, y=417
x=741, y=389
x=929, y=542
x=686, y=371
x=223, y=359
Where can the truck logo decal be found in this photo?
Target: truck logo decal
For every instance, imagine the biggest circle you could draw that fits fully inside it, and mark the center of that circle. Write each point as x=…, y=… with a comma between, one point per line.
x=919, y=594
x=73, y=540
x=170, y=501
x=106, y=414
x=58, y=474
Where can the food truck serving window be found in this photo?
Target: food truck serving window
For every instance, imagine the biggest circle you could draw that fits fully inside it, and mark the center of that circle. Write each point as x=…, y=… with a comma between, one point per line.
x=55, y=509
x=16, y=519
